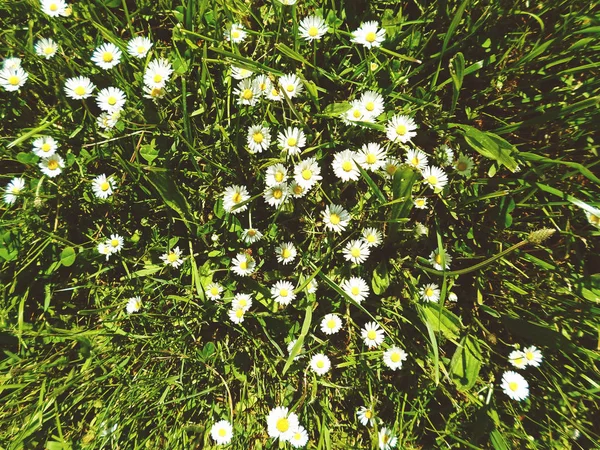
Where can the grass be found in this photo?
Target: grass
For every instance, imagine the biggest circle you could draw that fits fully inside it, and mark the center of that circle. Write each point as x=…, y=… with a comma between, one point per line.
x=513, y=85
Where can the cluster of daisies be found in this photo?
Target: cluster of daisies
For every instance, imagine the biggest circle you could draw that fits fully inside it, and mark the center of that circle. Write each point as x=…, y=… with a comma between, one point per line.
x=514, y=384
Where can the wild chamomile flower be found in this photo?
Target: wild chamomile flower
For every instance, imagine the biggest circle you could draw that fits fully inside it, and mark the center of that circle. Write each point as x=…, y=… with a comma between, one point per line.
x=435, y=177
x=286, y=252
x=262, y=84
x=417, y=159
x=236, y=315
x=13, y=79
x=517, y=359
x=52, y=165
x=221, y=432
x=111, y=99
x=387, y=440
x=312, y=28
x=331, y=324
x=311, y=287
x=259, y=138
x=158, y=73
x=307, y=173
x=139, y=46
x=233, y=196
x=299, y=437
x=393, y=357
x=320, y=364
x=421, y=203
x=251, y=235
x=45, y=146
x=356, y=251
x=283, y=292
x=277, y=194
x=54, y=8
x=274, y=94
x=371, y=156
x=281, y=424
x=369, y=34
x=108, y=120
x=366, y=416
x=515, y=386
x=533, y=356
x=464, y=165
x=13, y=189
x=236, y=33
x=372, y=104
x=335, y=218
x=240, y=73
x=115, y=243
x=213, y=291
x=296, y=190
x=243, y=265
x=46, y=48
x=107, y=56
x=401, y=129
x=11, y=63
x=247, y=93
x=356, y=113
x=356, y=288
x=172, y=258
x=291, y=85
x=292, y=140
x=430, y=293
x=344, y=166
x=390, y=166
x=372, y=237
x=242, y=301
x=372, y=334
x=79, y=88
x=102, y=186
x=104, y=249
x=276, y=174
x=440, y=260
x=134, y=304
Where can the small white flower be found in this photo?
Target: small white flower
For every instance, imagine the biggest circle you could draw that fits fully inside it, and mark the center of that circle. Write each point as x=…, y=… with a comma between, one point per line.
x=107, y=56
x=54, y=8
x=283, y=292
x=52, y=165
x=158, y=73
x=236, y=33
x=236, y=315
x=139, y=46
x=356, y=288
x=251, y=235
x=299, y=437
x=320, y=364
x=11, y=63
x=110, y=99
x=307, y=173
x=173, y=258
x=104, y=249
x=356, y=113
x=222, y=432
x=344, y=166
x=331, y=324
x=102, y=186
x=13, y=79
x=387, y=440
x=371, y=156
x=440, y=261
x=533, y=356
x=390, y=166
x=286, y=252
x=247, y=93
x=430, y=293
x=372, y=104
x=292, y=140
x=213, y=291
x=372, y=334
x=242, y=301
x=115, y=243
x=296, y=190
x=435, y=177
x=262, y=84
x=369, y=34
x=421, y=203
x=291, y=85
x=366, y=416
x=312, y=28
x=107, y=120
x=515, y=386
x=259, y=138
x=281, y=423
x=372, y=237
x=134, y=304
x=46, y=48
x=356, y=251
x=393, y=357
x=79, y=88
x=45, y=146
x=401, y=129
x=13, y=189
x=417, y=159
x=277, y=194
x=243, y=265
x=517, y=359
x=233, y=196
x=240, y=73
x=335, y=218
x=276, y=174
x=452, y=297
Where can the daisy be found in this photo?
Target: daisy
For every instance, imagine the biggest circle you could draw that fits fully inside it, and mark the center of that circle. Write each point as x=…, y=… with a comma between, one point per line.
x=356, y=113
x=390, y=167
x=247, y=93
x=356, y=251
x=259, y=138
x=344, y=166
x=46, y=48
x=417, y=159
x=276, y=195
x=299, y=438
x=464, y=165
x=276, y=174
x=79, y=88
x=13, y=189
x=110, y=99
x=13, y=79
x=262, y=84
x=517, y=359
x=11, y=63
x=440, y=261
x=52, y=165
x=240, y=73
x=372, y=334
x=236, y=315
x=372, y=237
x=296, y=190
x=421, y=203
x=221, y=432
x=372, y=104
x=106, y=56
x=446, y=155
x=533, y=356
x=281, y=423
x=311, y=287
x=435, y=177
x=291, y=85
x=286, y=252
x=242, y=301
x=213, y=291
x=54, y=8
x=371, y=156
x=452, y=297
x=139, y=46
x=369, y=35
x=274, y=94
x=515, y=386
x=401, y=129
x=331, y=324
x=236, y=33
x=356, y=288
x=393, y=357
x=292, y=140
x=104, y=249
x=243, y=265
x=387, y=440
x=158, y=73
x=233, y=196
x=312, y=28
x=430, y=293
x=134, y=304
x=107, y=120
x=173, y=258
x=44, y=146
x=366, y=416
x=283, y=292
x=251, y=235
x=335, y=218
x=307, y=173
x=320, y=364
x=115, y=243
x=102, y=186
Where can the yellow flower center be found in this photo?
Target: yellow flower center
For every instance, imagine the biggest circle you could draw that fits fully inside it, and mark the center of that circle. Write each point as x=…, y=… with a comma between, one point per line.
x=283, y=424
x=320, y=364
x=385, y=438
x=286, y=253
x=313, y=31
x=513, y=386
x=283, y=293
x=275, y=93
x=262, y=86
x=53, y=165
x=258, y=137
x=368, y=414
x=391, y=169
x=247, y=94
x=53, y=7
x=141, y=49
x=277, y=194
x=415, y=161
x=46, y=147
x=48, y=50
x=370, y=36
x=307, y=174
x=13, y=80
x=421, y=202
x=252, y=233
x=235, y=34
x=214, y=290
x=374, y=66
x=158, y=78
x=432, y=179
x=104, y=186
x=115, y=243
x=291, y=142
x=107, y=57
x=331, y=324
x=279, y=177
x=428, y=292
x=401, y=130
x=297, y=436
x=347, y=166
x=395, y=357
x=156, y=92
x=298, y=189
x=371, y=334
x=79, y=90
x=15, y=190
x=355, y=290
x=371, y=158
x=438, y=258
x=239, y=313
x=519, y=361
x=237, y=197
x=594, y=219
x=461, y=166
x=370, y=106
x=222, y=432
x=371, y=238
x=334, y=219
x=111, y=100
x=242, y=303
x=356, y=114
x=290, y=88
x=243, y=265
x=529, y=356
x=355, y=252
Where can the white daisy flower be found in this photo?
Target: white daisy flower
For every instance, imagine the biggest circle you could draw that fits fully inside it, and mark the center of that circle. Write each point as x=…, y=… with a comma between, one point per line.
x=236, y=315
x=291, y=85
x=320, y=364
x=173, y=258
x=452, y=297
x=514, y=385
x=335, y=218
x=104, y=249
x=296, y=190
x=222, y=432
x=372, y=334
x=79, y=88
x=356, y=288
x=276, y=174
x=344, y=166
x=276, y=195
x=259, y=138
x=372, y=237
x=243, y=265
x=281, y=423
x=312, y=286
x=262, y=84
x=517, y=359
x=421, y=203
x=439, y=261
x=372, y=104
x=292, y=140
x=107, y=56
x=233, y=196
x=107, y=120
x=110, y=99
x=11, y=63
x=236, y=33
x=139, y=46
x=103, y=186
x=312, y=28
x=331, y=324
x=283, y=292
x=371, y=156
x=13, y=189
x=158, y=73
x=251, y=235
x=274, y=94
x=155, y=93
x=417, y=159
x=52, y=165
x=242, y=301
x=240, y=73
x=286, y=252
x=369, y=35
x=435, y=177
x=387, y=440
x=390, y=166
x=307, y=173
x=533, y=356
x=134, y=304
x=393, y=357
x=366, y=416
x=356, y=113
x=13, y=79
x=247, y=92
x=356, y=251
x=46, y=48
x=446, y=155
x=401, y=129
x=54, y=8
x=464, y=165
x=115, y=243
x=299, y=437
x=430, y=293
x=213, y=291
x=45, y=146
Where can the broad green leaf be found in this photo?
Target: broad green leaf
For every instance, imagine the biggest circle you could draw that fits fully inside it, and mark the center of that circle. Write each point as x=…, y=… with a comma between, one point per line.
x=67, y=256
x=381, y=278
x=490, y=145
x=336, y=109
x=466, y=363
x=149, y=151
x=27, y=158
x=442, y=320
